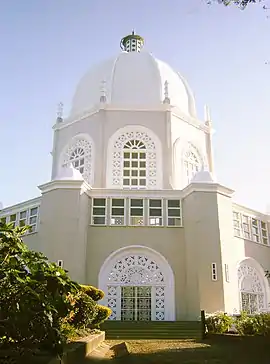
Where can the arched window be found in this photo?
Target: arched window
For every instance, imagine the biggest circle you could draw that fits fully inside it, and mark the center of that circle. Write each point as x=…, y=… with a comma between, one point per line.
x=192, y=163
x=252, y=293
x=132, y=160
x=79, y=153
x=134, y=164
x=77, y=159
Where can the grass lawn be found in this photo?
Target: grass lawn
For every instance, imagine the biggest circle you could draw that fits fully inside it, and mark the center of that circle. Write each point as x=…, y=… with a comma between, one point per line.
x=210, y=351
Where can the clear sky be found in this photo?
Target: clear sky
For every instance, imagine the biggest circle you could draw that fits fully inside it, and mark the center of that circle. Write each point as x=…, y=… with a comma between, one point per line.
x=47, y=45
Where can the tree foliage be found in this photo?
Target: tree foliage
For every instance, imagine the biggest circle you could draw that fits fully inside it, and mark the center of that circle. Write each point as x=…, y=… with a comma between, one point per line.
x=37, y=297
x=240, y=3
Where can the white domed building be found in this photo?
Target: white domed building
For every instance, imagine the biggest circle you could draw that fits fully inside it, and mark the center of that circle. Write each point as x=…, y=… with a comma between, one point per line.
x=133, y=206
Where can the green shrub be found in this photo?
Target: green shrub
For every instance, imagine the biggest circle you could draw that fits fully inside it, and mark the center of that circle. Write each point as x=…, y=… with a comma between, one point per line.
x=263, y=320
x=84, y=310
x=218, y=322
x=103, y=313
x=33, y=295
x=93, y=292
x=247, y=325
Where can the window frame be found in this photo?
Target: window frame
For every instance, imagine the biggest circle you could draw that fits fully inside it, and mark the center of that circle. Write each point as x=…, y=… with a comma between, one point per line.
x=130, y=216
x=180, y=217
x=214, y=273
x=149, y=217
x=111, y=216
x=99, y=206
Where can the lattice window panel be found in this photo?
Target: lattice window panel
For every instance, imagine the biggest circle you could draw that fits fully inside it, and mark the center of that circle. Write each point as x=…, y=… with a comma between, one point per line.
x=136, y=270
x=252, y=292
x=112, y=301
x=79, y=153
x=151, y=158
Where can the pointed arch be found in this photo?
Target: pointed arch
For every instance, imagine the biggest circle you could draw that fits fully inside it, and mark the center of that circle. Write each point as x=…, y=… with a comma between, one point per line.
x=80, y=152
x=132, y=157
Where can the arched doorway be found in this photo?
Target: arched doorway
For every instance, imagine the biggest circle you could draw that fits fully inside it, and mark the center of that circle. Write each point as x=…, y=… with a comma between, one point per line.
x=139, y=285
x=253, y=287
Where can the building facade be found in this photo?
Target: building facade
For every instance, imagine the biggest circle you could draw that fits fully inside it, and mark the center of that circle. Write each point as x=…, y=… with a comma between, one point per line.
x=133, y=206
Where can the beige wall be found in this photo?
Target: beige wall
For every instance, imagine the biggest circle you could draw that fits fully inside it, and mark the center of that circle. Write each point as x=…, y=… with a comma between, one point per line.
x=64, y=214
x=258, y=252
x=202, y=239
x=207, y=237
x=169, y=242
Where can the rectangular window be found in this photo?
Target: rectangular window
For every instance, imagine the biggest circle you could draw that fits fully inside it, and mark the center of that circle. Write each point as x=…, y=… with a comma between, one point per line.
x=33, y=219
x=174, y=213
x=136, y=212
x=264, y=232
x=60, y=263
x=12, y=218
x=117, y=211
x=99, y=211
x=214, y=272
x=246, y=227
x=3, y=220
x=237, y=224
x=227, y=277
x=255, y=230
x=155, y=213
x=23, y=217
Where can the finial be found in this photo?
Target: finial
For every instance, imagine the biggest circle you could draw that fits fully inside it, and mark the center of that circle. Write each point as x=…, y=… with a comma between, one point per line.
x=60, y=109
x=103, y=97
x=166, y=93
x=132, y=42
x=207, y=116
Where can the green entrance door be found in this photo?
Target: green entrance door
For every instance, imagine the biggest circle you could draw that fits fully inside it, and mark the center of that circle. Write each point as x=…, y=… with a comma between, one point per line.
x=136, y=303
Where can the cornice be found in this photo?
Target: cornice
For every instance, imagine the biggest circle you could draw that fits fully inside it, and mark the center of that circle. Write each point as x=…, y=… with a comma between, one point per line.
x=207, y=187
x=22, y=205
x=250, y=212
x=65, y=185
x=100, y=192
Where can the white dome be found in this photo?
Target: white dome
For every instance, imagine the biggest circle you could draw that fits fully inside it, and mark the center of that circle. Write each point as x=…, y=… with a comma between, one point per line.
x=133, y=79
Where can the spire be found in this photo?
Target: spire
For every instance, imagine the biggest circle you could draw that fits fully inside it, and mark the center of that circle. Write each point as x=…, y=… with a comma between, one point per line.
x=166, y=93
x=208, y=138
x=132, y=42
x=207, y=115
x=103, y=97
x=60, y=108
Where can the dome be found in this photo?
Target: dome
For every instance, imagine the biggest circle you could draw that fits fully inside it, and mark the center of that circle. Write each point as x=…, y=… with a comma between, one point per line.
x=133, y=78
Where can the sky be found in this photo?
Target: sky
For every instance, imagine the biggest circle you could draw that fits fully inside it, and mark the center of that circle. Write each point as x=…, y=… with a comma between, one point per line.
x=47, y=46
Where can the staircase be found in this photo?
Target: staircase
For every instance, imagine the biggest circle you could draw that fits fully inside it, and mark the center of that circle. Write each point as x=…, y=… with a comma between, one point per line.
x=155, y=330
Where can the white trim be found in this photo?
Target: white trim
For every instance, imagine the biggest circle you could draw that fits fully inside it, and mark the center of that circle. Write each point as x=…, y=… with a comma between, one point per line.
x=207, y=187
x=64, y=184
x=60, y=263
x=156, y=257
x=261, y=275
x=110, y=154
x=69, y=144
x=20, y=206
x=214, y=273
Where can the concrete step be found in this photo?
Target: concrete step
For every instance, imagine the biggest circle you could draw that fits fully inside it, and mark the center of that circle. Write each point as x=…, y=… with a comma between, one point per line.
x=133, y=330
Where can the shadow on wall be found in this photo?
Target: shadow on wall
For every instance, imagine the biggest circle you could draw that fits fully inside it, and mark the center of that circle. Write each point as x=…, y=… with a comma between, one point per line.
x=222, y=349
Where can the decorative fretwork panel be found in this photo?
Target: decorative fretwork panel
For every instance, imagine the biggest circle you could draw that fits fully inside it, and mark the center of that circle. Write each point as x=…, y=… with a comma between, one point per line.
x=136, y=270
x=192, y=162
x=251, y=289
x=79, y=153
x=160, y=303
x=131, y=148
x=112, y=301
